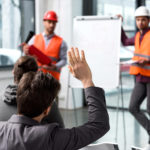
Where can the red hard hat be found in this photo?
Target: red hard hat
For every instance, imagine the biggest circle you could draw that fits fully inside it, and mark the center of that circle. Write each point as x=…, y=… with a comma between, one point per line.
x=50, y=15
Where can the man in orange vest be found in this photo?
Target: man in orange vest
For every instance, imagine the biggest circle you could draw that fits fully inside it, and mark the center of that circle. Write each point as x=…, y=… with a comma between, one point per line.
x=141, y=69
x=54, y=47
x=50, y=44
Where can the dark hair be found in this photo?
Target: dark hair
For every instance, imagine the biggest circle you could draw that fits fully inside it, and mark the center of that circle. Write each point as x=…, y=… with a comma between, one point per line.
x=24, y=64
x=36, y=92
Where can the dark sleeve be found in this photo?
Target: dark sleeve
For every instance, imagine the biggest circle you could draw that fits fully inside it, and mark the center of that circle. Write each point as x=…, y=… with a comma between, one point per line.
x=125, y=40
x=96, y=127
x=9, y=96
x=63, y=55
x=54, y=116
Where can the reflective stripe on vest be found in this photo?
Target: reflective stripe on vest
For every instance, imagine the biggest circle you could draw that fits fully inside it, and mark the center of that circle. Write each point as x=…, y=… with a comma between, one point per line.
x=142, y=51
x=52, y=51
x=140, y=66
x=144, y=56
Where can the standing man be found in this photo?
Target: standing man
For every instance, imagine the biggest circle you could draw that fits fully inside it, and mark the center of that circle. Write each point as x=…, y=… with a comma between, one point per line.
x=54, y=47
x=141, y=69
x=51, y=45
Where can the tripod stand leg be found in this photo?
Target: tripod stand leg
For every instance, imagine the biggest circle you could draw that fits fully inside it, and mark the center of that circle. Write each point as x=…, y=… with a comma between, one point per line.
x=123, y=114
x=74, y=106
x=117, y=117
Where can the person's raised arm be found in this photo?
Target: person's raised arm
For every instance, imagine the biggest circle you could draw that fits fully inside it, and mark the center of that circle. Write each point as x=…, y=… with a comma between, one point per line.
x=25, y=46
x=124, y=39
x=98, y=121
x=79, y=67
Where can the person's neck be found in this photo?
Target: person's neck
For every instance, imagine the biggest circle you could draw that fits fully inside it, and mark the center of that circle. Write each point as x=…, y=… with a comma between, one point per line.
x=48, y=34
x=38, y=118
x=143, y=30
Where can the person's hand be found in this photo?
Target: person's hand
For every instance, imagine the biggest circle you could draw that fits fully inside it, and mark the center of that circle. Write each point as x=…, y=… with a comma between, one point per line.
x=25, y=48
x=143, y=62
x=79, y=67
x=49, y=67
x=120, y=16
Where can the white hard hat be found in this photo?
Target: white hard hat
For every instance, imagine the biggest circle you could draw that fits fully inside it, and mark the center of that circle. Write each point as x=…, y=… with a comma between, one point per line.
x=141, y=11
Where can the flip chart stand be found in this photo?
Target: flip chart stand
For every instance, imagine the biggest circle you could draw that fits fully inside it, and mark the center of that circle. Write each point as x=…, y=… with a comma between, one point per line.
x=120, y=95
x=73, y=99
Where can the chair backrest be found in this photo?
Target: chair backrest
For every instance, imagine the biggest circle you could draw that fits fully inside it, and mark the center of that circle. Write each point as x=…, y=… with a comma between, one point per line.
x=135, y=148
x=6, y=111
x=102, y=146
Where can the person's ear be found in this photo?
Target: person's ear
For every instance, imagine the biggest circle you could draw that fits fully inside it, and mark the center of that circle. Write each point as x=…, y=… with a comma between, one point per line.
x=47, y=111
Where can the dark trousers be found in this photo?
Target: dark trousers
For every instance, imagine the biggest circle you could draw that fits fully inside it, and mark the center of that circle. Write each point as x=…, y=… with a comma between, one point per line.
x=54, y=116
x=140, y=92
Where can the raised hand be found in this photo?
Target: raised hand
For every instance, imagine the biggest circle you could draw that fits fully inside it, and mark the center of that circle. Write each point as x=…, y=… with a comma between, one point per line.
x=120, y=16
x=79, y=67
x=26, y=49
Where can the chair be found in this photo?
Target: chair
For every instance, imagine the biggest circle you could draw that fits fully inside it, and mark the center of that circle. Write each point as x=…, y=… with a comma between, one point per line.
x=102, y=146
x=6, y=111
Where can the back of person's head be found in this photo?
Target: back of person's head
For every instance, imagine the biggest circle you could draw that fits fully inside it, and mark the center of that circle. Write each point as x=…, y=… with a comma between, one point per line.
x=24, y=64
x=36, y=92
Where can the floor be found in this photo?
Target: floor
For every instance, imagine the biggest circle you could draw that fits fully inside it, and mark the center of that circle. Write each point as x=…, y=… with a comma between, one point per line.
x=135, y=134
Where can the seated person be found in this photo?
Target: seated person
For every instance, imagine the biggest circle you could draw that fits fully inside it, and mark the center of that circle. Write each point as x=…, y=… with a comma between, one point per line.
x=35, y=94
x=23, y=65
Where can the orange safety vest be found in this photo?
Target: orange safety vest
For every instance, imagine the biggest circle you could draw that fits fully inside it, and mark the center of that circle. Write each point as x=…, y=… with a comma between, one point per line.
x=52, y=50
x=142, y=51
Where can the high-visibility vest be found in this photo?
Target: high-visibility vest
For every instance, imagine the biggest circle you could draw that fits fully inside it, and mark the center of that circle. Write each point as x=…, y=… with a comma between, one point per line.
x=142, y=51
x=52, y=51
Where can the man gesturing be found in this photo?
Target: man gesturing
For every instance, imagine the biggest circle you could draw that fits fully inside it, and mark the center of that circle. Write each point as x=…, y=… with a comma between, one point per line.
x=35, y=94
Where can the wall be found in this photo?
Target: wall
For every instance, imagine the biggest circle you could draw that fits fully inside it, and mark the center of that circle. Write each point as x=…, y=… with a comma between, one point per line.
x=10, y=24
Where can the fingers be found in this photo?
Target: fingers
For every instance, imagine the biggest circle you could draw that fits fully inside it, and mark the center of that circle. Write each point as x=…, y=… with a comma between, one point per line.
x=77, y=54
x=71, y=62
x=70, y=69
x=120, y=16
x=73, y=55
x=26, y=49
x=82, y=56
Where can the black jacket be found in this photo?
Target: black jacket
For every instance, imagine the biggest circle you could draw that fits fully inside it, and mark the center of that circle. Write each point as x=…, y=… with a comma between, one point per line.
x=10, y=95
